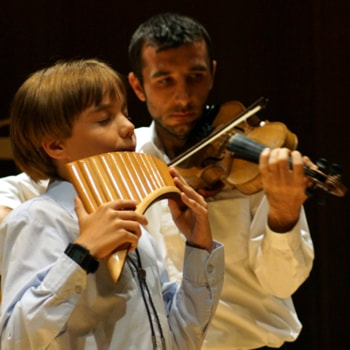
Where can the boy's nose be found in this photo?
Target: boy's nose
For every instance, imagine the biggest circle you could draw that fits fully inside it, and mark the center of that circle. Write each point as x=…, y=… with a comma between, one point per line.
x=127, y=128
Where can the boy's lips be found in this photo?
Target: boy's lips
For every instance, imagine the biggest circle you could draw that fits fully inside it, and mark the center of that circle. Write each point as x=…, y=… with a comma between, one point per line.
x=129, y=149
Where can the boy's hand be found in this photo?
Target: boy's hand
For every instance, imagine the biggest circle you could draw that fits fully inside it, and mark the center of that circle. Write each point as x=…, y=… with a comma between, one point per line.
x=192, y=217
x=113, y=224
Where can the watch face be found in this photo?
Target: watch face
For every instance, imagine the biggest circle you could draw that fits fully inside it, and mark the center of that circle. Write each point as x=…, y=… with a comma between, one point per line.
x=82, y=257
x=79, y=253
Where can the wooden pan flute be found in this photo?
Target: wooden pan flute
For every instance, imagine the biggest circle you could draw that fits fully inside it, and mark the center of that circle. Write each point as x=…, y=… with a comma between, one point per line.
x=121, y=175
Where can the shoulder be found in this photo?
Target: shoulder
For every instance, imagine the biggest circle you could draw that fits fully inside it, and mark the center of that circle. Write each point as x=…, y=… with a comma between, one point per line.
x=32, y=209
x=53, y=203
x=21, y=187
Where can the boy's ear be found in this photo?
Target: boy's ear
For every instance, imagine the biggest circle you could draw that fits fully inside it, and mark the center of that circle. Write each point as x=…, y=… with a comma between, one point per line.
x=136, y=86
x=54, y=148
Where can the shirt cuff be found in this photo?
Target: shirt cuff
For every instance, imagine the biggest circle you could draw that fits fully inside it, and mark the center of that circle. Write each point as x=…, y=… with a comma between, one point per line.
x=66, y=279
x=287, y=240
x=212, y=264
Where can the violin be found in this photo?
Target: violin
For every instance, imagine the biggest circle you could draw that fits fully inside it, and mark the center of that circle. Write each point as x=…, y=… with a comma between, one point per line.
x=228, y=151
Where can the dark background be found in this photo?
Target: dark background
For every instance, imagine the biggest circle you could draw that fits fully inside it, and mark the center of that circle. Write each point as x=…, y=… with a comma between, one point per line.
x=296, y=53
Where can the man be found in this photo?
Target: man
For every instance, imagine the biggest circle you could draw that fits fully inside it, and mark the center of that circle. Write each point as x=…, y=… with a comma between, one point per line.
x=268, y=248
x=269, y=251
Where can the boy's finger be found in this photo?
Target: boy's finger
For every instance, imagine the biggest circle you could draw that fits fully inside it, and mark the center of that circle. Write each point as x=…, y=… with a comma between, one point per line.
x=79, y=208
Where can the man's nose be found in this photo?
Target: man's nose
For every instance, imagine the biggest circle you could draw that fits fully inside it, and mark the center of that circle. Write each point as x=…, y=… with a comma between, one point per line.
x=183, y=91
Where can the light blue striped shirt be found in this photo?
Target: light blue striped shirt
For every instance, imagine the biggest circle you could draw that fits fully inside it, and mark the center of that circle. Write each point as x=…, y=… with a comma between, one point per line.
x=49, y=302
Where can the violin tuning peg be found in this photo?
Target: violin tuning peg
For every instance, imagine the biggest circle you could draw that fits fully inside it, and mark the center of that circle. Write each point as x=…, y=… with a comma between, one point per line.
x=334, y=169
x=321, y=197
x=322, y=164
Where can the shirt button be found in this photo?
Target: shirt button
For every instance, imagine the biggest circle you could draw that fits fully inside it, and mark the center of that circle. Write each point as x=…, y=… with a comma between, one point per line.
x=78, y=289
x=210, y=268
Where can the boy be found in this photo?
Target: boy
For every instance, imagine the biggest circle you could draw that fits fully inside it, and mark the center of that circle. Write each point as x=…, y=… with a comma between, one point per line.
x=52, y=299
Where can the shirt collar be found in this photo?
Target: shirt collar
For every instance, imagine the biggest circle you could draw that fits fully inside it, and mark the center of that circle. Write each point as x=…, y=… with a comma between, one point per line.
x=149, y=143
x=63, y=193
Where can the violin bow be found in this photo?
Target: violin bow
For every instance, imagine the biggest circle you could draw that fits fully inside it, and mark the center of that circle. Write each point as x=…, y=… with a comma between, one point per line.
x=241, y=117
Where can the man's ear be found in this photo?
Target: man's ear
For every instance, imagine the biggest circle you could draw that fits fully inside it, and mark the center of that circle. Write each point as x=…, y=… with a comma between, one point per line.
x=214, y=65
x=136, y=86
x=54, y=148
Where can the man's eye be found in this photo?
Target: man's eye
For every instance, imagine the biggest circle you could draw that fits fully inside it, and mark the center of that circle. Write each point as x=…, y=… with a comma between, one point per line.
x=196, y=76
x=164, y=81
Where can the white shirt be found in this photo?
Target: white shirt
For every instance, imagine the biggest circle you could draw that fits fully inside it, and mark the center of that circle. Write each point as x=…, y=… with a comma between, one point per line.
x=262, y=268
x=17, y=189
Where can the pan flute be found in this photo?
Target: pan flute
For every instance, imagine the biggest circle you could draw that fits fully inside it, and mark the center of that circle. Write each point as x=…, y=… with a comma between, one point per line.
x=121, y=175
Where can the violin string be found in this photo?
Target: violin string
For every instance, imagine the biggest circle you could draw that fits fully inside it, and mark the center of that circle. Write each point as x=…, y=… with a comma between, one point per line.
x=224, y=130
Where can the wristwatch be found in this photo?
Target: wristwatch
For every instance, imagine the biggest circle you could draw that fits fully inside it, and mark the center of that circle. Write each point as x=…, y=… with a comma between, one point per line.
x=82, y=257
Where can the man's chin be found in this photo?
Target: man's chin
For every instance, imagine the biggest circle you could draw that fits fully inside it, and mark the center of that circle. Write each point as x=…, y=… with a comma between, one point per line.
x=181, y=134
x=182, y=131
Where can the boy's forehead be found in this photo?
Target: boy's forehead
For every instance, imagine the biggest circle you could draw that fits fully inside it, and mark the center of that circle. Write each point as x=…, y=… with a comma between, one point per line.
x=110, y=99
x=102, y=106
x=96, y=108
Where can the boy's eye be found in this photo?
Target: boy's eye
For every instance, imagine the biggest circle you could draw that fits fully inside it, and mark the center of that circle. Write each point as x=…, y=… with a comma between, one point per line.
x=126, y=114
x=105, y=120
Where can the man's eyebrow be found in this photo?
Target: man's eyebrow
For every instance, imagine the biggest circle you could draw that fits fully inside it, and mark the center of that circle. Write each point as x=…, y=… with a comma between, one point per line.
x=199, y=67
x=196, y=68
x=160, y=73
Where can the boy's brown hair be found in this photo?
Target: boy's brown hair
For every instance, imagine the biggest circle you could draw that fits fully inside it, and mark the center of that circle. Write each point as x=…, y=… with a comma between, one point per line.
x=48, y=103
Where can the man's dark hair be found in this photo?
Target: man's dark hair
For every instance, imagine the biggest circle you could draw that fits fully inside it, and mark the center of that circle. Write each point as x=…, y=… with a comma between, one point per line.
x=165, y=31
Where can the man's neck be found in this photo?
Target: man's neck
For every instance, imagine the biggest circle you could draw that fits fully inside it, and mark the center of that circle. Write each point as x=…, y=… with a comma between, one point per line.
x=171, y=144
